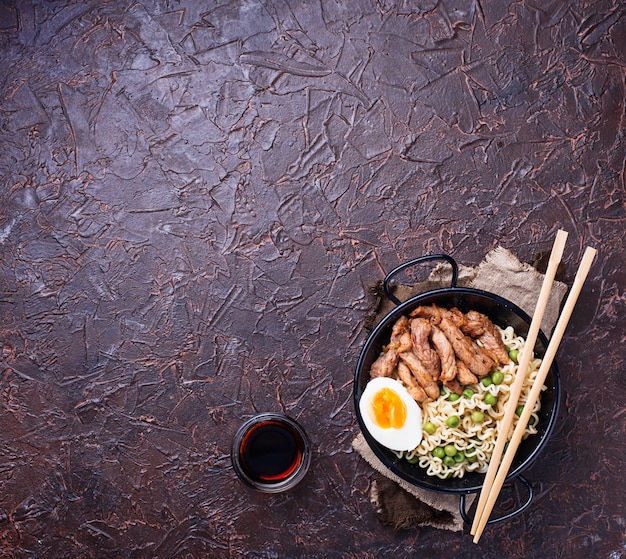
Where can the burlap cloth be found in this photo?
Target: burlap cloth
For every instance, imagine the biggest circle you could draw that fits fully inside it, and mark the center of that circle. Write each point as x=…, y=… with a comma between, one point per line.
x=399, y=503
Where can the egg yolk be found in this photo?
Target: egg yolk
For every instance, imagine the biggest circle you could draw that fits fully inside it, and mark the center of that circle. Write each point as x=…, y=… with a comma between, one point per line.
x=388, y=409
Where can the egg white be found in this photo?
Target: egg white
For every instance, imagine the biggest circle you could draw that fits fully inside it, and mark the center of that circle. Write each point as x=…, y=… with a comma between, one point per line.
x=406, y=437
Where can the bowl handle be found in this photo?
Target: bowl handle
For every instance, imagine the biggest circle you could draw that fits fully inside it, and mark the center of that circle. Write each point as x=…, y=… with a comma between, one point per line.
x=419, y=260
x=519, y=510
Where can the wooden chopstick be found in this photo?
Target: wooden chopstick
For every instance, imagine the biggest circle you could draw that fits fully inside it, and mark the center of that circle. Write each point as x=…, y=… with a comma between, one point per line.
x=523, y=361
x=535, y=391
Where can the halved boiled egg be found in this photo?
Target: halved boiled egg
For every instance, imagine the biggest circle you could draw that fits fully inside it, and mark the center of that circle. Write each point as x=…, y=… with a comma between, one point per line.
x=390, y=414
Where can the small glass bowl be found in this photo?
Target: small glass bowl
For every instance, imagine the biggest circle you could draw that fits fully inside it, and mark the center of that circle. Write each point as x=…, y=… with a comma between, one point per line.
x=271, y=452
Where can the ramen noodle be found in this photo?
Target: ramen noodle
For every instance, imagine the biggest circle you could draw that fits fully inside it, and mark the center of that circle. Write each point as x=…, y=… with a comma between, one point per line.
x=473, y=442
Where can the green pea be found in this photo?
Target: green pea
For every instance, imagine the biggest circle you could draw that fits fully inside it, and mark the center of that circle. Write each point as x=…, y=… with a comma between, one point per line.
x=477, y=416
x=519, y=410
x=459, y=457
x=497, y=377
x=486, y=381
x=413, y=460
x=449, y=461
x=471, y=458
x=450, y=450
x=442, y=392
x=490, y=399
x=453, y=421
x=430, y=427
x=453, y=397
x=439, y=452
x=514, y=354
x=468, y=393
x=531, y=420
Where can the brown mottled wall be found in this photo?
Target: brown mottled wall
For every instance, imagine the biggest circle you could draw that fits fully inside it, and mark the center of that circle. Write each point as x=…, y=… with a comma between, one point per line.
x=194, y=199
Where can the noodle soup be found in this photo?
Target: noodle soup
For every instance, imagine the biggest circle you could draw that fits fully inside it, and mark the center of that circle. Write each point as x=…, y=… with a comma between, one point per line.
x=503, y=314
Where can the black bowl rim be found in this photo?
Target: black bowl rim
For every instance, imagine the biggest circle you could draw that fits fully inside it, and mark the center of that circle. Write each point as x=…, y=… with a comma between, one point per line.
x=395, y=313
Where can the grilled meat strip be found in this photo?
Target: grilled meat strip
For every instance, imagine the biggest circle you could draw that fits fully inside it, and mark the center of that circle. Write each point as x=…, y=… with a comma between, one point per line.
x=467, y=350
x=413, y=387
x=478, y=326
x=420, y=333
x=445, y=350
x=464, y=375
x=430, y=312
x=385, y=364
x=454, y=315
x=400, y=336
x=454, y=386
x=424, y=378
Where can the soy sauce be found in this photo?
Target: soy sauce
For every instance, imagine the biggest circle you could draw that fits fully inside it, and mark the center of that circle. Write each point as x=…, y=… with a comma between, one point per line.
x=271, y=451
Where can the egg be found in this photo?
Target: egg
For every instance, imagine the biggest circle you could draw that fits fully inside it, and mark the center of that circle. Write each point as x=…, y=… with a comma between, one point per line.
x=390, y=414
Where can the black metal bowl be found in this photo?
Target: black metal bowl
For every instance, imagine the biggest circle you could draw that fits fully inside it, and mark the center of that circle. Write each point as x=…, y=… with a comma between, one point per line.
x=503, y=313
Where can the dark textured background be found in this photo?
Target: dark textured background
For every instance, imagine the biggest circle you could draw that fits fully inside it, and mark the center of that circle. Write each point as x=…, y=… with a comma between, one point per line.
x=195, y=197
